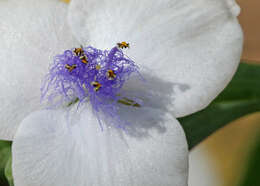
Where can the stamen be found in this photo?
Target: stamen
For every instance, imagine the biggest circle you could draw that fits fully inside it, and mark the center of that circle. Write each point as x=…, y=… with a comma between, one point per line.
x=123, y=45
x=111, y=74
x=61, y=87
x=98, y=67
x=84, y=59
x=73, y=102
x=70, y=68
x=78, y=51
x=129, y=102
x=96, y=85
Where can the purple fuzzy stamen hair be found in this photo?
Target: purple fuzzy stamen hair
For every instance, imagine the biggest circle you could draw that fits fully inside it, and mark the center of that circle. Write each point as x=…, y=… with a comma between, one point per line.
x=89, y=74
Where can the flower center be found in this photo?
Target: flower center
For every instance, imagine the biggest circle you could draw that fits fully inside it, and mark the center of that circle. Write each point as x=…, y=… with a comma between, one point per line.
x=87, y=73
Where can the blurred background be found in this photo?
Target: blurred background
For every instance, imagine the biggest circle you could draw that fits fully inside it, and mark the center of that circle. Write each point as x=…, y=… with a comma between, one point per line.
x=231, y=156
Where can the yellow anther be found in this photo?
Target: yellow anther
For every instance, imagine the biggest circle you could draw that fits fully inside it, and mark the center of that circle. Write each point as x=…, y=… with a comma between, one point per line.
x=123, y=45
x=98, y=67
x=70, y=67
x=111, y=74
x=78, y=51
x=96, y=85
x=84, y=59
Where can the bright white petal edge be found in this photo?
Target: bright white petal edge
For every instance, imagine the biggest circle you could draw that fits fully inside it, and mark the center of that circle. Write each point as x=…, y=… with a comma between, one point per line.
x=191, y=47
x=50, y=149
x=32, y=32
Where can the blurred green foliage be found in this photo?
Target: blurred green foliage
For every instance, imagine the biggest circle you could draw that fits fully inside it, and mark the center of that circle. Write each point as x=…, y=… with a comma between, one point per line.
x=5, y=153
x=240, y=97
x=8, y=171
x=251, y=176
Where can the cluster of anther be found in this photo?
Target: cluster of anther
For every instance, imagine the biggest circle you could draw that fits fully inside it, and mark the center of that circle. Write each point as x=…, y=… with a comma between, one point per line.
x=91, y=74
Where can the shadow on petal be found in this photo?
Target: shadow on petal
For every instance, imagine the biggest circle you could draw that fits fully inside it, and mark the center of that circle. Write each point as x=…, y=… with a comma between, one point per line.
x=154, y=92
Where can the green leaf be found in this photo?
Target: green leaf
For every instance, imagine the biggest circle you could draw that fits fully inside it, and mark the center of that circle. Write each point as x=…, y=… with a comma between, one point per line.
x=8, y=172
x=251, y=176
x=4, y=144
x=5, y=153
x=240, y=97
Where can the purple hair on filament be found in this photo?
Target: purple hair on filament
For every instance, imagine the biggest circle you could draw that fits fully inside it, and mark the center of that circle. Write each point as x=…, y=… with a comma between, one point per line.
x=89, y=74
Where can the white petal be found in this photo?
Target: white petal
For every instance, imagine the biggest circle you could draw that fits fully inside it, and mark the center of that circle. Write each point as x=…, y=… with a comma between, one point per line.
x=48, y=150
x=193, y=46
x=32, y=31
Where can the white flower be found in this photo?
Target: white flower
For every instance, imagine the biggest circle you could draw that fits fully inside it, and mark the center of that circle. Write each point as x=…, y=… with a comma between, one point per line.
x=188, y=49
